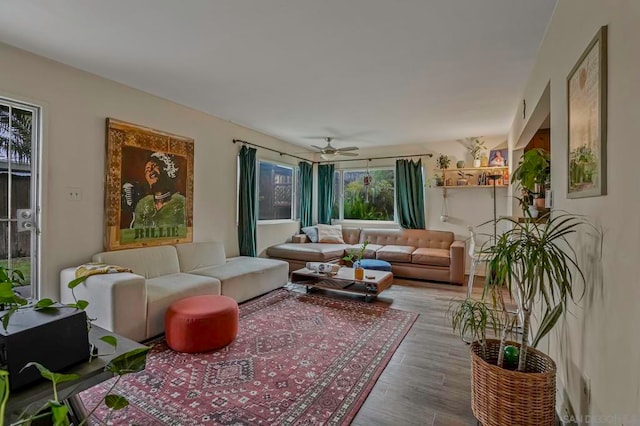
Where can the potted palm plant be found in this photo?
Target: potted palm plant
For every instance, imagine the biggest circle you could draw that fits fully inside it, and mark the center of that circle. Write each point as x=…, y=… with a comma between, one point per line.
x=534, y=262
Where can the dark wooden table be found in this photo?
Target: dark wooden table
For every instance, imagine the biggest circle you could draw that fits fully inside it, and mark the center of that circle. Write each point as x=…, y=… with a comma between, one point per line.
x=374, y=282
x=32, y=398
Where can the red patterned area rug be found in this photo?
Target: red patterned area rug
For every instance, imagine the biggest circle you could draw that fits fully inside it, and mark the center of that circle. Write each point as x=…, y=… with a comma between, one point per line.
x=298, y=360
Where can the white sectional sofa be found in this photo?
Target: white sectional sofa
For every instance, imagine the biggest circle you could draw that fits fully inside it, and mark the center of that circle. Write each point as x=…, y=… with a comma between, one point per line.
x=133, y=304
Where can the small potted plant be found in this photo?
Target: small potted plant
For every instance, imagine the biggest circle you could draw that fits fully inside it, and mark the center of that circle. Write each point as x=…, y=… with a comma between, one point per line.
x=354, y=256
x=476, y=149
x=443, y=161
x=463, y=178
x=532, y=173
x=438, y=180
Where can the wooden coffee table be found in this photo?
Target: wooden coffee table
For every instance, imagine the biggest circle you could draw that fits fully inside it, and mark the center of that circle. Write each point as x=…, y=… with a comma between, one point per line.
x=374, y=282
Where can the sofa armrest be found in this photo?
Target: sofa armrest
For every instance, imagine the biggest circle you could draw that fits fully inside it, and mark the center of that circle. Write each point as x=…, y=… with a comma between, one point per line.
x=118, y=302
x=300, y=238
x=456, y=270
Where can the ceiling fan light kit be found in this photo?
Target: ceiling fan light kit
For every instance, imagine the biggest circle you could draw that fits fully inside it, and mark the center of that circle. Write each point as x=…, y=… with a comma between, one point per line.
x=330, y=153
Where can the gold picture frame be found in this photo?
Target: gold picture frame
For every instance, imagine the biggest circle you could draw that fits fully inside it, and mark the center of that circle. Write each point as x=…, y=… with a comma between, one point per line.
x=149, y=187
x=587, y=121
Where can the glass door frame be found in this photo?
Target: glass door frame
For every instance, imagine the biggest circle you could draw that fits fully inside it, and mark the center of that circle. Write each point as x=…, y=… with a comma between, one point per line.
x=35, y=198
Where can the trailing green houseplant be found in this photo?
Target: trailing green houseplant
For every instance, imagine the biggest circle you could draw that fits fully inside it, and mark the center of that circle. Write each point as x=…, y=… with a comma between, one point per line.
x=533, y=171
x=129, y=362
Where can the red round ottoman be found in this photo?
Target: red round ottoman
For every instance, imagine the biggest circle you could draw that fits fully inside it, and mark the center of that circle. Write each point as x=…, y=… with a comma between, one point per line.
x=201, y=323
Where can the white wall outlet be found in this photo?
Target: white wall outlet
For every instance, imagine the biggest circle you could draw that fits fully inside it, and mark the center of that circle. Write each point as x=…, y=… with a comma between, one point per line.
x=73, y=194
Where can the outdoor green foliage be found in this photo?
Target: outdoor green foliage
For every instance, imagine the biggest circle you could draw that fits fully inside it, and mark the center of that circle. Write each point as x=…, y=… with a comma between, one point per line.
x=129, y=362
x=18, y=124
x=534, y=168
x=536, y=262
x=21, y=265
x=583, y=165
x=372, y=202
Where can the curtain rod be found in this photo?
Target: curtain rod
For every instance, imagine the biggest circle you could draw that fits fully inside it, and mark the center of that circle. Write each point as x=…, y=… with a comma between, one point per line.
x=329, y=161
x=272, y=150
x=376, y=158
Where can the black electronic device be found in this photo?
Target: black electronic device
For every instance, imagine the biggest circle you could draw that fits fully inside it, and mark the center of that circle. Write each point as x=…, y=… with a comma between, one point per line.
x=56, y=337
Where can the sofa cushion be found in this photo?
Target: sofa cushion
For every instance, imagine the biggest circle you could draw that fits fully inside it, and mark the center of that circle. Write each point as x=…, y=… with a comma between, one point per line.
x=351, y=235
x=150, y=262
x=200, y=255
x=408, y=237
x=311, y=232
x=311, y=252
x=163, y=291
x=330, y=234
x=246, y=277
x=393, y=253
x=369, y=252
x=430, y=256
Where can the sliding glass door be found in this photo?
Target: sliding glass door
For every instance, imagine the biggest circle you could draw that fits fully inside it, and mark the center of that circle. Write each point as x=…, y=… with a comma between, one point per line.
x=19, y=191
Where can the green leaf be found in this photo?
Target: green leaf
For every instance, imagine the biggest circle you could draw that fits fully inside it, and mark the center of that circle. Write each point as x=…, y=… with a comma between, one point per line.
x=50, y=375
x=6, y=289
x=129, y=362
x=116, y=402
x=7, y=316
x=82, y=304
x=110, y=340
x=75, y=283
x=59, y=413
x=43, y=303
x=550, y=319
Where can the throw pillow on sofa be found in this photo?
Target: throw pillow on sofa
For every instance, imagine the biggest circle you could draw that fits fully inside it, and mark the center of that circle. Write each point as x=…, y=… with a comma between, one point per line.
x=330, y=234
x=311, y=232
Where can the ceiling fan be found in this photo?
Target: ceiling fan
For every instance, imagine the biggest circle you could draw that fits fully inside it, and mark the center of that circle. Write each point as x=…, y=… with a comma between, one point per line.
x=329, y=152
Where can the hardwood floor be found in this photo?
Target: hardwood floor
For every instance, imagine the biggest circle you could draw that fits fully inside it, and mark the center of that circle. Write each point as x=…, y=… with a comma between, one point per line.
x=427, y=382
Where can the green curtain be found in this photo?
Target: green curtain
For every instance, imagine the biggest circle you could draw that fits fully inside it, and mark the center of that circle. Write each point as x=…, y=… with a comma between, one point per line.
x=325, y=192
x=306, y=190
x=410, y=194
x=247, y=202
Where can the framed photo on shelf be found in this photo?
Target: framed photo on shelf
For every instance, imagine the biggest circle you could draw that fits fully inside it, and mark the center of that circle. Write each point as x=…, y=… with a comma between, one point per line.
x=498, y=157
x=149, y=187
x=587, y=121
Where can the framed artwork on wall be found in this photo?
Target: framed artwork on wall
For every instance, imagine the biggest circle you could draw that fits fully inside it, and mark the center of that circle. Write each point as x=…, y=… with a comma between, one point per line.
x=587, y=121
x=149, y=187
x=498, y=157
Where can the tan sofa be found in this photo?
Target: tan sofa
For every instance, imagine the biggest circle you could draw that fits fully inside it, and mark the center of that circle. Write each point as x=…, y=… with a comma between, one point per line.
x=413, y=253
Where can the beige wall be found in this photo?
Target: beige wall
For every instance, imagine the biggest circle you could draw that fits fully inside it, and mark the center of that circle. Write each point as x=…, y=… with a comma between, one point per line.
x=598, y=340
x=75, y=107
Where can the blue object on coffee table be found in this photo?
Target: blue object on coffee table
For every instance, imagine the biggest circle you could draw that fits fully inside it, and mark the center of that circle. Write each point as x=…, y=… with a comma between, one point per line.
x=375, y=264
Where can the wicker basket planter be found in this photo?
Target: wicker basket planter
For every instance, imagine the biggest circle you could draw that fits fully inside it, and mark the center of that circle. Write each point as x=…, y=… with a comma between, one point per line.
x=503, y=397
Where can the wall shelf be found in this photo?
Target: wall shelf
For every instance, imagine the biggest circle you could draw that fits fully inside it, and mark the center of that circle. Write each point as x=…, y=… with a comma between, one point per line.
x=478, y=177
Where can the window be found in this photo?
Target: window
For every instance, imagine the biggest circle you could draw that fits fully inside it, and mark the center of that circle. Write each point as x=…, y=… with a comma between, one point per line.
x=276, y=194
x=353, y=200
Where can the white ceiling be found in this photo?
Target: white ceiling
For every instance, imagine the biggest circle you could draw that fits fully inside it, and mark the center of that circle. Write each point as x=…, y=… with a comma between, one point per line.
x=381, y=72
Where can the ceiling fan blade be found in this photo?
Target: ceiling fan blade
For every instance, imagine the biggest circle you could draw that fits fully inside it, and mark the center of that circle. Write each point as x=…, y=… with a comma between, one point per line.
x=347, y=154
x=349, y=148
x=318, y=147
